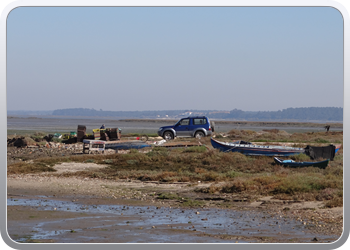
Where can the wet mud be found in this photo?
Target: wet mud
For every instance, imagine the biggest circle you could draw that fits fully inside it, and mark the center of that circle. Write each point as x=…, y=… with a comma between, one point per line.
x=44, y=219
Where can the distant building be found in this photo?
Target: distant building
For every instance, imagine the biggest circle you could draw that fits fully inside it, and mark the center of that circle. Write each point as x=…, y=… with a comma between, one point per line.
x=219, y=112
x=197, y=113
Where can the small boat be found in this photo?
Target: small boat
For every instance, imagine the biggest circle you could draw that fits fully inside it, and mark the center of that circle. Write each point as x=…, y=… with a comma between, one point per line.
x=291, y=163
x=99, y=145
x=251, y=149
x=127, y=145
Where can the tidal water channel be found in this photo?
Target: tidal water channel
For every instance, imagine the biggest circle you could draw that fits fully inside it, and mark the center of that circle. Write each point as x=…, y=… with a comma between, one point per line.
x=150, y=224
x=55, y=124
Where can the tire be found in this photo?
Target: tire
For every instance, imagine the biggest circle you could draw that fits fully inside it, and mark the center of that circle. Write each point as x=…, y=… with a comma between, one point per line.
x=168, y=135
x=144, y=138
x=199, y=135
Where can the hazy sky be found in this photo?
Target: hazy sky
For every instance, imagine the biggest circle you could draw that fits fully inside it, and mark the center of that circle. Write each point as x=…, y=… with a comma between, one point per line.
x=167, y=58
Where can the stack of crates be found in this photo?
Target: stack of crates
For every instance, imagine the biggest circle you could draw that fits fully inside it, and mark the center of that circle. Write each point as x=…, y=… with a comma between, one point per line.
x=81, y=133
x=97, y=134
x=103, y=133
x=115, y=134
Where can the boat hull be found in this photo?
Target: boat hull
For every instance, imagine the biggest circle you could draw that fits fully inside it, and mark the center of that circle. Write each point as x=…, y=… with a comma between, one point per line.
x=250, y=149
x=127, y=145
x=319, y=164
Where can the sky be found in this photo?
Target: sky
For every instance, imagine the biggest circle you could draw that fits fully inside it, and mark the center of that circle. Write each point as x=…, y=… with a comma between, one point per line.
x=174, y=58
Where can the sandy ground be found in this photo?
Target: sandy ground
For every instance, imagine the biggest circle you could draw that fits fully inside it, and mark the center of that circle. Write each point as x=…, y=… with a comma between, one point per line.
x=311, y=215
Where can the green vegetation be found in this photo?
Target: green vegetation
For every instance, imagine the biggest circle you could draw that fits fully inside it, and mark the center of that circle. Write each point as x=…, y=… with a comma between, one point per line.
x=191, y=203
x=169, y=196
x=226, y=172
x=195, y=149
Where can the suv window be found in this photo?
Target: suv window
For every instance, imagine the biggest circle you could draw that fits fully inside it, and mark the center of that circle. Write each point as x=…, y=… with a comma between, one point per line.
x=199, y=121
x=185, y=122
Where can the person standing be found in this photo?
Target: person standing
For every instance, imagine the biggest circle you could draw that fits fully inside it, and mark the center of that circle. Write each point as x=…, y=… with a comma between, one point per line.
x=327, y=127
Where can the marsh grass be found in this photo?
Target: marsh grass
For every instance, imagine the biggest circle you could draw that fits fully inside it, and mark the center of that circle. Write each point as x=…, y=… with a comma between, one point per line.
x=229, y=172
x=29, y=168
x=191, y=203
x=169, y=196
x=195, y=149
x=275, y=135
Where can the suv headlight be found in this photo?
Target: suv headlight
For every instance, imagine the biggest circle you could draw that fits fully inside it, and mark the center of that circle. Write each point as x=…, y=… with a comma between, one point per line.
x=160, y=129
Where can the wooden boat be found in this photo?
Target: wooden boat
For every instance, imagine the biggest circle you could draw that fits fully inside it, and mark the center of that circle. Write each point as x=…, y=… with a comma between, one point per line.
x=135, y=144
x=102, y=145
x=251, y=149
x=291, y=163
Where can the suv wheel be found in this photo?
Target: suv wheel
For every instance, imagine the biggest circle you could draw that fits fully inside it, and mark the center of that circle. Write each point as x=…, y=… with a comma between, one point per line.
x=168, y=135
x=199, y=135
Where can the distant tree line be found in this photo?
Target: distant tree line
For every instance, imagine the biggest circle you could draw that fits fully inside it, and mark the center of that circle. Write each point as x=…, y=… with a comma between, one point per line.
x=291, y=114
x=31, y=113
x=123, y=114
x=305, y=114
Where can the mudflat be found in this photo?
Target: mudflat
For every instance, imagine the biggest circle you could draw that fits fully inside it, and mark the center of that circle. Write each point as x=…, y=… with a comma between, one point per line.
x=98, y=211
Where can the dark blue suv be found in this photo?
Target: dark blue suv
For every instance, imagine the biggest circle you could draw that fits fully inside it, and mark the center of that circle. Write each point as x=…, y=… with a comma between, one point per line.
x=194, y=126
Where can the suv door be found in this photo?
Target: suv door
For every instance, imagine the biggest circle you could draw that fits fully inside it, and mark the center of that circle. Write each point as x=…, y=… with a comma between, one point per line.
x=182, y=127
x=198, y=123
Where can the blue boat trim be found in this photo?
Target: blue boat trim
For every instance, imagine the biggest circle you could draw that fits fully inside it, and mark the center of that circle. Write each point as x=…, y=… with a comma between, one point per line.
x=127, y=145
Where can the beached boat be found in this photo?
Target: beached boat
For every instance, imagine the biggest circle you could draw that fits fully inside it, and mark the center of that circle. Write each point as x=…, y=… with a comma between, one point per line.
x=99, y=145
x=126, y=145
x=251, y=149
x=291, y=163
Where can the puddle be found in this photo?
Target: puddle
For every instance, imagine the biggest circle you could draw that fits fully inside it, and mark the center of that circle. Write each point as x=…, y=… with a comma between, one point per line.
x=136, y=224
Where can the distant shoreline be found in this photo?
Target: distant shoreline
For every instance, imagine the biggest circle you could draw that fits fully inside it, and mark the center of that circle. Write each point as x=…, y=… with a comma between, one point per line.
x=249, y=123
x=312, y=124
x=304, y=114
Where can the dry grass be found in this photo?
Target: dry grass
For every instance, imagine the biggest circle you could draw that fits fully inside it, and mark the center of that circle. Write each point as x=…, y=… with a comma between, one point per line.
x=275, y=135
x=236, y=173
x=29, y=168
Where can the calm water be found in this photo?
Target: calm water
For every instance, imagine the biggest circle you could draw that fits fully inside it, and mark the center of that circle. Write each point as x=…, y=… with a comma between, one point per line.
x=53, y=125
